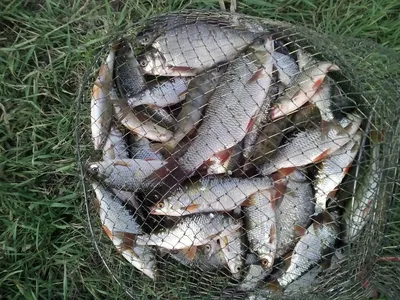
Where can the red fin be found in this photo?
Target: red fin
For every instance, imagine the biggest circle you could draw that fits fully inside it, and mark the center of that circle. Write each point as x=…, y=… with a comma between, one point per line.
x=224, y=155
x=108, y=232
x=192, y=207
x=272, y=234
x=347, y=169
x=389, y=258
x=180, y=69
x=287, y=171
x=257, y=75
x=96, y=204
x=318, y=83
x=190, y=252
x=300, y=231
x=250, y=201
x=250, y=125
x=121, y=163
x=321, y=157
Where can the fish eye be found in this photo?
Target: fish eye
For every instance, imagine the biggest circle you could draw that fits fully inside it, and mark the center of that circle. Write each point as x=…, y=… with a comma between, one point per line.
x=94, y=168
x=208, y=248
x=238, y=269
x=265, y=262
x=143, y=62
x=160, y=205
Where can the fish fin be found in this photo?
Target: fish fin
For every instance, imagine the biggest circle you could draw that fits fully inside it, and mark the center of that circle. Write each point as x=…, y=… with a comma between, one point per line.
x=376, y=136
x=181, y=69
x=272, y=233
x=321, y=157
x=121, y=163
x=332, y=193
x=250, y=201
x=250, y=125
x=164, y=180
x=317, y=84
x=287, y=171
x=333, y=68
x=192, y=207
x=190, y=252
x=224, y=155
x=108, y=232
x=274, y=286
x=96, y=204
x=300, y=231
x=257, y=75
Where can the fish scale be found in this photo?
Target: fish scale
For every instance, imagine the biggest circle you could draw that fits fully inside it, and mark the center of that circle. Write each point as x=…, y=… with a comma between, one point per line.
x=115, y=146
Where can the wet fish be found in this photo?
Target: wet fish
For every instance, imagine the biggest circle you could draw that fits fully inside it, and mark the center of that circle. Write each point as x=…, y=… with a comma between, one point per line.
x=359, y=211
x=208, y=257
x=157, y=115
x=232, y=249
x=115, y=146
x=286, y=66
x=200, y=90
x=191, y=231
x=161, y=95
x=127, y=174
x=318, y=241
x=129, y=77
x=299, y=286
x=189, y=50
x=315, y=146
x=333, y=170
x=302, y=88
x=223, y=165
x=260, y=225
x=294, y=211
x=141, y=148
x=255, y=275
x=305, y=59
x=130, y=198
x=100, y=107
x=228, y=118
x=209, y=195
x=139, y=125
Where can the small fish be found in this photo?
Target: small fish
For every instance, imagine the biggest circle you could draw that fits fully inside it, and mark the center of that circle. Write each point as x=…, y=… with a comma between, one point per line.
x=140, y=126
x=189, y=50
x=359, y=211
x=294, y=211
x=100, y=107
x=286, y=66
x=157, y=115
x=333, y=170
x=161, y=95
x=208, y=257
x=317, y=242
x=209, y=195
x=128, y=75
x=260, y=225
x=302, y=88
x=232, y=249
x=200, y=90
x=115, y=146
x=127, y=174
x=255, y=275
x=194, y=230
x=299, y=286
x=315, y=146
x=227, y=119
x=322, y=99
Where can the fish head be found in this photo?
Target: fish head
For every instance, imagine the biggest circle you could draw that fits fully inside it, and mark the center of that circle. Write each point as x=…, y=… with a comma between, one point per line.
x=211, y=248
x=96, y=170
x=145, y=37
x=262, y=48
x=166, y=207
x=152, y=62
x=142, y=257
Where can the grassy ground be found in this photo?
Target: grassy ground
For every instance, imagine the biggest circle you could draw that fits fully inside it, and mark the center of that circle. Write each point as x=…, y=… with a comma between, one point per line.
x=45, y=47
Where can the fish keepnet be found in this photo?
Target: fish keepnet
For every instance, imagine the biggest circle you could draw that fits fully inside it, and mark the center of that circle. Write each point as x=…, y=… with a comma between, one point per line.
x=225, y=156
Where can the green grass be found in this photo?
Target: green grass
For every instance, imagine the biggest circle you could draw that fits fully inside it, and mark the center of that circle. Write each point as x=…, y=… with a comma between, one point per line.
x=45, y=48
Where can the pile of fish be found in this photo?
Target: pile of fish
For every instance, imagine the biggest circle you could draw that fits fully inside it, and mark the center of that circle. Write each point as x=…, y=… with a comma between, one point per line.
x=223, y=149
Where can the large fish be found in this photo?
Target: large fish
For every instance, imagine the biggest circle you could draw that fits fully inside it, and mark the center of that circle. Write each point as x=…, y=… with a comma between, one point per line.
x=232, y=249
x=127, y=174
x=115, y=146
x=208, y=257
x=189, y=50
x=359, y=211
x=260, y=225
x=194, y=230
x=312, y=146
x=229, y=114
x=121, y=227
x=210, y=194
x=333, y=170
x=161, y=95
x=100, y=107
x=302, y=88
x=200, y=90
x=317, y=242
x=294, y=211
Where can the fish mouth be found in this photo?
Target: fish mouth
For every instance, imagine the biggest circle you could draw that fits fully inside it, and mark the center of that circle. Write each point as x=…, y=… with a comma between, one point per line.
x=93, y=169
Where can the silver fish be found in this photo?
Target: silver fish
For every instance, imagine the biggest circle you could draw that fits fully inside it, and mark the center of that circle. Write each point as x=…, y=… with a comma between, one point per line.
x=294, y=211
x=304, y=59
x=232, y=249
x=189, y=50
x=129, y=197
x=229, y=113
x=157, y=115
x=141, y=148
x=222, y=165
x=209, y=195
x=302, y=88
x=115, y=146
x=333, y=170
x=286, y=66
x=315, y=145
x=255, y=274
x=161, y=95
x=359, y=211
x=194, y=230
x=127, y=174
x=199, y=91
x=318, y=241
x=129, y=77
x=299, y=286
x=260, y=225
x=100, y=107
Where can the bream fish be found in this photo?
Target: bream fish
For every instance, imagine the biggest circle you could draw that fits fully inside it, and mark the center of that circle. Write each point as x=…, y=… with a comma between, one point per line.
x=232, y=249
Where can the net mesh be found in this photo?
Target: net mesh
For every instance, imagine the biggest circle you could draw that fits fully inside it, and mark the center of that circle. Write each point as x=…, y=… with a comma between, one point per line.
x=186, y=62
